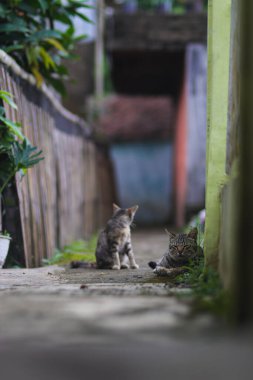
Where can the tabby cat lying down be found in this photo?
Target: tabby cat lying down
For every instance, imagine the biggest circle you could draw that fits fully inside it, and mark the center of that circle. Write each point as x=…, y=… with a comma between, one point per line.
x=114, y=248
x=182, y=248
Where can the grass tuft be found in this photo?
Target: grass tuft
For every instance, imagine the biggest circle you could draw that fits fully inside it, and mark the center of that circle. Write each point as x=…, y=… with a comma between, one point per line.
x=207, y=291
x=79, y=250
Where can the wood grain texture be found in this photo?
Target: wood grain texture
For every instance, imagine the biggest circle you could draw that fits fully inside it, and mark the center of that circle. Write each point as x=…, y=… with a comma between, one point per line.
x=60, y=199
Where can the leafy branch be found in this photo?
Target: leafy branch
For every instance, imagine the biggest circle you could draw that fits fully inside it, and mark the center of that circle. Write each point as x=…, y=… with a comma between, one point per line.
x=28, y=32
x=16, y=152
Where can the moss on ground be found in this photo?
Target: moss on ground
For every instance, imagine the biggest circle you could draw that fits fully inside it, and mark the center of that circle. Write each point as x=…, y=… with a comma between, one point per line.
x=157, y=280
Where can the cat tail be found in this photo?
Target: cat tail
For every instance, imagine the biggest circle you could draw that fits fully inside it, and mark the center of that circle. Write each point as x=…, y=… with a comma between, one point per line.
x=152, y=264
x=82, y=264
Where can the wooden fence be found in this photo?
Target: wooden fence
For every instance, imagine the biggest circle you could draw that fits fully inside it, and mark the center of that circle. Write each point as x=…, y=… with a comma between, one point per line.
x=69, y=194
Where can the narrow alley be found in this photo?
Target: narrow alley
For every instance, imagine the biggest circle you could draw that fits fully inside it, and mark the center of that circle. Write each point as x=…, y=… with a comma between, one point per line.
x=83, y=323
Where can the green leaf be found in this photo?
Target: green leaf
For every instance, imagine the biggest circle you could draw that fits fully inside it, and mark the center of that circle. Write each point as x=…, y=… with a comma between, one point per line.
x=63, y=17
x=2, y=112
x=69, y=32
x=5, y=93
x=58, y=85
x=39, y=78
x=62, y=70
x=25, y=155
x=12, y=48
x=13, y=28
x=32, y=54
x=80, y=37
x=42, y=35
x=28, y=8
x=7, y=168
x=56, y=44
x=81, y=4
x=4, y=11
x=8, y=100
x=43, y=5
x=47, y=60
x=83, y=17
x=14, y=127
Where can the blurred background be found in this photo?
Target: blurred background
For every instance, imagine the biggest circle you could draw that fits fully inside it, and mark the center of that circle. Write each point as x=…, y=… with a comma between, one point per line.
x=141, y=83
x=133, y=75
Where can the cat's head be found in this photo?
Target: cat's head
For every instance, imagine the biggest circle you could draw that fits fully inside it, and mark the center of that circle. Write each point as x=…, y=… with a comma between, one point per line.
x=125, y=214
x=183, y=247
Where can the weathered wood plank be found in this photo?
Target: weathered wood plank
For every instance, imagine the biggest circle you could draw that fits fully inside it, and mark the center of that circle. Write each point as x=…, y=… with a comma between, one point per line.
x=59, y=199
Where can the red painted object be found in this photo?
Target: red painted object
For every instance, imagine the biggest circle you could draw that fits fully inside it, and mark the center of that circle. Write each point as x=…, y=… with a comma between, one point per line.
x=180, y=157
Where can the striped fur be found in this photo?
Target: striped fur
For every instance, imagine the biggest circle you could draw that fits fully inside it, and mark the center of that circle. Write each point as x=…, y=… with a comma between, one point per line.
x=114, y=248
x=182, y=248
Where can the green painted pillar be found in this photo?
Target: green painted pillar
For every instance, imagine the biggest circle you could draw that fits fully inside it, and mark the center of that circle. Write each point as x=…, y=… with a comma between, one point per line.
x=219, y=15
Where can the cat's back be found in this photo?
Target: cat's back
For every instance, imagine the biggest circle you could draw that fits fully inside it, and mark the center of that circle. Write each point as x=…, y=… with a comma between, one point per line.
x=102, y=240
x=102, y=258
x=117, y=231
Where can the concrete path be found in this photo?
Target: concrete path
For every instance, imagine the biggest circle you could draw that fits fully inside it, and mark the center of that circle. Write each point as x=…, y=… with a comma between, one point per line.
x=91, y=324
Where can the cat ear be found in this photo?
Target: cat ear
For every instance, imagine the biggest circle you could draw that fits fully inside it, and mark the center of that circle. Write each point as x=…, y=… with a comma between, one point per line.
x=132, y=210
x=193, y=234
x=171, y=234
x=115, y=207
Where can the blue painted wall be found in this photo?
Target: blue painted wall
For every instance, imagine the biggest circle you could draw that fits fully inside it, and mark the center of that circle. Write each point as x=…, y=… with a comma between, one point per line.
x=144, y=176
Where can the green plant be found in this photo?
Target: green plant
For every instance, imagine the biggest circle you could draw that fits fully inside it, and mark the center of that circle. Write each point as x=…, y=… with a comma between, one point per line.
x=197, y=221
x=207, y=290
x=4, y=233
x=16, y=152
x=208, y=294
x=29, y=33
x=79, y=250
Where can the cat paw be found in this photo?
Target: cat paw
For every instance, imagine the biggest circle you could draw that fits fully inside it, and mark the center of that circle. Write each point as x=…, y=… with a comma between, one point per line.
x=160, y=271
x=168, y=272
x=135, y=266
x=116, y=267
x=124, y=266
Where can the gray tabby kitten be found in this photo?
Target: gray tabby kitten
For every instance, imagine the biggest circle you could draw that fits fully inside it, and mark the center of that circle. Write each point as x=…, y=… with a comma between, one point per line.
x=114, y=248
x=182, y=248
